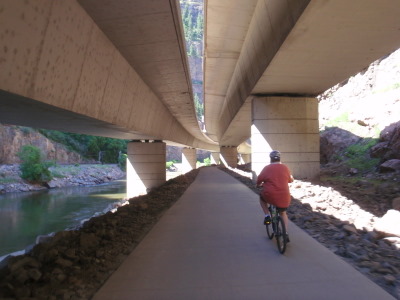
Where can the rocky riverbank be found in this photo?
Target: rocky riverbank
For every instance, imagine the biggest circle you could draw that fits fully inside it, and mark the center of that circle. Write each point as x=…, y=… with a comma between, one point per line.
x=74, y=264
x=63, y=175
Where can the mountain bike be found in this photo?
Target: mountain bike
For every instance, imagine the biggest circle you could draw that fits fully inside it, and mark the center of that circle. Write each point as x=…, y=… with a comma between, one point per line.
x=277, y=228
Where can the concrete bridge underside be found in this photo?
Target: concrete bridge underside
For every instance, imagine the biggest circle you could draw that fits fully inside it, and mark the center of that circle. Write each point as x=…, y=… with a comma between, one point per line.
x=279, y=52
x=119, y=69
x=107, y=68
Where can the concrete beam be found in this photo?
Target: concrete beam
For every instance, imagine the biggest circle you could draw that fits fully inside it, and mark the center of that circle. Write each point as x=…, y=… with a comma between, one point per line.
x=270, y=24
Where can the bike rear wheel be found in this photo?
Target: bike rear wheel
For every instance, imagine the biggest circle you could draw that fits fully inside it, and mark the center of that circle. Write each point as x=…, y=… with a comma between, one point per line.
x=281, y=235
x=270, y=231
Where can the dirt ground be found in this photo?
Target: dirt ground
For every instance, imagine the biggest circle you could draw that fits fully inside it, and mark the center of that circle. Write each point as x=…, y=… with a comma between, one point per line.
x=374, y=192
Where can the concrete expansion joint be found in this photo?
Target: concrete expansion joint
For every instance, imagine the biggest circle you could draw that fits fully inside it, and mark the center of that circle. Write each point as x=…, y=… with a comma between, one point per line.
x=285, y=95
x=146, y=141
x=287, y=119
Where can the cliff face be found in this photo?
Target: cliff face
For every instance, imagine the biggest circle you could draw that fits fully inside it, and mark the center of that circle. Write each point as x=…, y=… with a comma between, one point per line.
x=365, y=106
x=12, y=138
x=367, y=102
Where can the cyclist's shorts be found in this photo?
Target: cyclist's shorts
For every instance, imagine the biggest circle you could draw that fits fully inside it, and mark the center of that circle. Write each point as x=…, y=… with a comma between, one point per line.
x=279, y=209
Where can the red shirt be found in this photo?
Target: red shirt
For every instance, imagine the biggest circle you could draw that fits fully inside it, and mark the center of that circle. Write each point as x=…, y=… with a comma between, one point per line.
x=275, y=191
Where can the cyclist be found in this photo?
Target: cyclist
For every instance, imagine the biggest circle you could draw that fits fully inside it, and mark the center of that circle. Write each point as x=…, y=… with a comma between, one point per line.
x=274, y=179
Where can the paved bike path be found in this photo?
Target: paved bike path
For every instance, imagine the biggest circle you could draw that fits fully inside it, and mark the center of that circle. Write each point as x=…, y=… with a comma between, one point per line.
x=211, y=245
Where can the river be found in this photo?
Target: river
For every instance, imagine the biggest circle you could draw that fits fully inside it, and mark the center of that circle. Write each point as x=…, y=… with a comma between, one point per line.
x=24, y=216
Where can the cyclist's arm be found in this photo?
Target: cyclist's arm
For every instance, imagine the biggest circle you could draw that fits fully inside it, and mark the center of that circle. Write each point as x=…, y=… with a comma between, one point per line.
x=291, y=179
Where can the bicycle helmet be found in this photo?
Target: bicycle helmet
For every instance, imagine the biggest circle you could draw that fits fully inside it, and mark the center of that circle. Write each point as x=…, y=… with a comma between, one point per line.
x=276, y=155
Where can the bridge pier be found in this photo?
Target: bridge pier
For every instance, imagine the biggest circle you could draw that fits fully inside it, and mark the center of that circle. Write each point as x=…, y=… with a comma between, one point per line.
x=245, y=158
x=189, y=159
x=145, y=167
x=229, y=156
x=289, y=125
x=214, y=156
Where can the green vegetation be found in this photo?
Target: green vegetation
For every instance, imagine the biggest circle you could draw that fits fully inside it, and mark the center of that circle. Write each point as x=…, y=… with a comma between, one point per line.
x=61, y=171
x=343, y=121
x=26, y=130
x=193, y=23
x=122, y=161
x=199, y=107
x=357, y=155
x=106, y=150
x=7, y=180
x=389, y=88
x=339, y=120
x=207, y=161
x=197, y=82
x=33, y=168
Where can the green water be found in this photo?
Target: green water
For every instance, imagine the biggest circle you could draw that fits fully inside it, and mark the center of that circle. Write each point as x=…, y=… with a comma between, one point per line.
x=24, y=216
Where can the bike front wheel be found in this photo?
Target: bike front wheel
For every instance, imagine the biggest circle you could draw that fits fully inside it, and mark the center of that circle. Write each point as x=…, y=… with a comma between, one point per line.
x=281, y=235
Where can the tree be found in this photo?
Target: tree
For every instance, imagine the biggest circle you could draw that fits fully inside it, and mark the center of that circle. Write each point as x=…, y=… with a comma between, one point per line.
x=199, y=27
x=199, y=107
x=192, y=51
x=33, y=168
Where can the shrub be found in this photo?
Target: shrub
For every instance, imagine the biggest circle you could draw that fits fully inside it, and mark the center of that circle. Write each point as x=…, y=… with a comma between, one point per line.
x=122, y=161
x=358, y=155
x=33, y=168
x=207, y=161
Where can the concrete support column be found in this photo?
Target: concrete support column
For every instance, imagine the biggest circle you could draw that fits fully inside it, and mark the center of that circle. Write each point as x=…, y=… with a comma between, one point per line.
x=289, y=125
x=245, y=158
x=215, y=158
x=145, y=167
x=189, y=159
x=229, y=156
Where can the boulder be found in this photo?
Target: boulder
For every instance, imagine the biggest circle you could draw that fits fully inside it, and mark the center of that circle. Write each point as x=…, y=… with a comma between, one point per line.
x=334, y=140
x=350, y=229
x=396, y=203
x=392, y=165
x=389, y=224
x=379, y=150
x=389, y=146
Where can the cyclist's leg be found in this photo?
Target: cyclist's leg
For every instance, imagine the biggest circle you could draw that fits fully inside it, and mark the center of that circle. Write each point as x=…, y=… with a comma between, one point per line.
x=264, y=205
x=284, y=216
x=265, y=208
